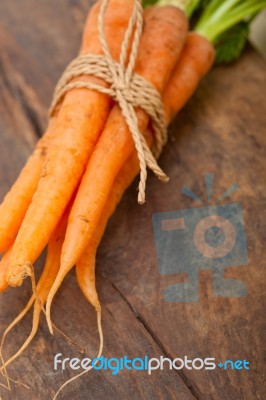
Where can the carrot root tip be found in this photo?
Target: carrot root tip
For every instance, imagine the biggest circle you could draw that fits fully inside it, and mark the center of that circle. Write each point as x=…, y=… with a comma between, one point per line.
x=19, y=274
x=49, y=321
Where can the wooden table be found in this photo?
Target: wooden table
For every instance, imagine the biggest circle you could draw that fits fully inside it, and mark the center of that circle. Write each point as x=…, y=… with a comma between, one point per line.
x=221, y=130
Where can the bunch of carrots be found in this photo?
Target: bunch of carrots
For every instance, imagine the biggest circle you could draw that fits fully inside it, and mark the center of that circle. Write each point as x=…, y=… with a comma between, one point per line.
x=86, y=159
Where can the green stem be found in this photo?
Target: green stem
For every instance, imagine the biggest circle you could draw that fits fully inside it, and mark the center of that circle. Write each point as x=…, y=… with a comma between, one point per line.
x=216, y=10
x=191, y=7
x=209, y=10
x=214, y=27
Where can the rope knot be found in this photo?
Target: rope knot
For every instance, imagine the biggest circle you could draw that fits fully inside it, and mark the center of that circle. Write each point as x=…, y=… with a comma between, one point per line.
x=127, y=88
x=121, y=86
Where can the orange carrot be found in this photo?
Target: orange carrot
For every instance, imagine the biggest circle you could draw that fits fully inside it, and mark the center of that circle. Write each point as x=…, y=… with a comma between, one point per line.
x=85, y=269
x=17, y=200
x=79, y=122
x=163, y=37
x=196, y=60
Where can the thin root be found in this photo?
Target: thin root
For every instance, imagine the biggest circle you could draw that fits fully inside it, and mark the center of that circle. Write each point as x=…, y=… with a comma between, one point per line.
x=12, y=380
x=99, y=324
x=35, y=325
x=13, y=323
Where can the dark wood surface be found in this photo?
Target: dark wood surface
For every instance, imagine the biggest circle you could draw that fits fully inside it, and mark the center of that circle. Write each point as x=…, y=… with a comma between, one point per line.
x=221, y=130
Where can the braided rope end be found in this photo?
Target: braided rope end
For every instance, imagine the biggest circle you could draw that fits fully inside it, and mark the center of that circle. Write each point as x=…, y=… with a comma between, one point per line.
x=164, y=178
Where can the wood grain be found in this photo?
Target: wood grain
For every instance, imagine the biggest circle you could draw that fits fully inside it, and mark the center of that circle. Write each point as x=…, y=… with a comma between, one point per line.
x=221, y=130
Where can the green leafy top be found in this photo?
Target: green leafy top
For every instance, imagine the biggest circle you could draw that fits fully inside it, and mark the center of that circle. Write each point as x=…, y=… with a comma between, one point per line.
x=230, y=44
x=220, y=16
x=225, y=23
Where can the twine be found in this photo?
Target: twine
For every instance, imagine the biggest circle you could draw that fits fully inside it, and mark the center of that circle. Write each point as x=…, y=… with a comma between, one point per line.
x=127, y=88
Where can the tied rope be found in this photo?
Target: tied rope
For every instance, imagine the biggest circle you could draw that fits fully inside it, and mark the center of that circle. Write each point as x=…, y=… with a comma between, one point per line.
x=127, y=88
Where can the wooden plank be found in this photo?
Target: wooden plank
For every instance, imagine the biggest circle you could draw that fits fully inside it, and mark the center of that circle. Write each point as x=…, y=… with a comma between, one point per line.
x=40, y=41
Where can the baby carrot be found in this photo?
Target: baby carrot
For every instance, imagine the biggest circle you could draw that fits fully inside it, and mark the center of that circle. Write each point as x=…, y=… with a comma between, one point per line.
x=85, y=268
x=17, y=200
x=196, y=60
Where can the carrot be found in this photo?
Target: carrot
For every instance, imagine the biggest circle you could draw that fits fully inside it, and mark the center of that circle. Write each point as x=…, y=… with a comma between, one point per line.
x=45, y=282
x=85, y=269
x=195, y=61
x=163, y=37
x=77, y=128
x=17, y=200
